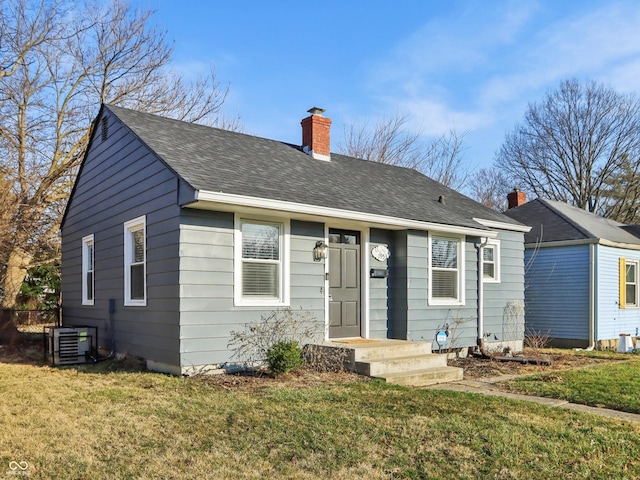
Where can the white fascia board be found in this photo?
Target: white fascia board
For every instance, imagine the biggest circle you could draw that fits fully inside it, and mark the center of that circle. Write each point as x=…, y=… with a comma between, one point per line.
x=503, y=225
x=206, y=200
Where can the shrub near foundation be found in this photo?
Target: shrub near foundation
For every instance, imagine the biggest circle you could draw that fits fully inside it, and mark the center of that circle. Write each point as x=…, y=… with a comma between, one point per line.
x=284, y=357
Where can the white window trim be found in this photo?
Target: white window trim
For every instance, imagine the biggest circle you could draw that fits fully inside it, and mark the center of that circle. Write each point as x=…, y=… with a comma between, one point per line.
x=86, y=242
x=636, y=301
x=460, y=239
x=238, y=299
x=495, y=244
x=129, y=227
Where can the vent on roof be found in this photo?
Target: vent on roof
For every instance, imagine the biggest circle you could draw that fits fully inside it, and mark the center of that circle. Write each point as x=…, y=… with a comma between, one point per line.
x=105, y=128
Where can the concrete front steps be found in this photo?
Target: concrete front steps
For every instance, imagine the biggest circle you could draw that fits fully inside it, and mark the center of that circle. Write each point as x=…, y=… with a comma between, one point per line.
x=397, y=361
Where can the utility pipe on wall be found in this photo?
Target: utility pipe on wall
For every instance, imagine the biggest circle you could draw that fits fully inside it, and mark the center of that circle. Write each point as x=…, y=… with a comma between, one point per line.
x=484, y=243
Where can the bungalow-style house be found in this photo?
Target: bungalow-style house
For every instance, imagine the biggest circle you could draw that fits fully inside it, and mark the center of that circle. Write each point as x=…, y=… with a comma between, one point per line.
x=177, y=234
x=582, y=285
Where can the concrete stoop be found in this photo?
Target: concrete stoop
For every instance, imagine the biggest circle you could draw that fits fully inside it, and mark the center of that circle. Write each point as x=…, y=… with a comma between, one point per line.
x=397, y=361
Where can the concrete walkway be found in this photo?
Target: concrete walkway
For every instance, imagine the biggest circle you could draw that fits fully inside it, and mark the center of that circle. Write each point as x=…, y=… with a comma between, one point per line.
x=488, y=386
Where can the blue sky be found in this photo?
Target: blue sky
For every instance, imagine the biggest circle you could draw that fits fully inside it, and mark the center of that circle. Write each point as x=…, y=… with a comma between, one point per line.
x=468, y=65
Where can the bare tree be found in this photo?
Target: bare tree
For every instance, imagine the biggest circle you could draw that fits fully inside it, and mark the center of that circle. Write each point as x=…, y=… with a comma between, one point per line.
x=391, y=141
x=490, y=187
x=573, y=143
x=60, y=60
x=623, y=194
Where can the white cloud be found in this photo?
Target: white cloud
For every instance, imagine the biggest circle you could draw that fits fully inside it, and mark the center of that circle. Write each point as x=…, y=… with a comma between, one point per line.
x=484, y=62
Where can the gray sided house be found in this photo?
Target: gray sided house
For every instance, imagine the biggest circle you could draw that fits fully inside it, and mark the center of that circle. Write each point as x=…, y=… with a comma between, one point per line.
x=177, y=234
x=582, y=274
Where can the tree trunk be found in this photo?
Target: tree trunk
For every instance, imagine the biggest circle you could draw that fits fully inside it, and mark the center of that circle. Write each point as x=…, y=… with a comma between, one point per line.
x=17, y=265
x=15, y=274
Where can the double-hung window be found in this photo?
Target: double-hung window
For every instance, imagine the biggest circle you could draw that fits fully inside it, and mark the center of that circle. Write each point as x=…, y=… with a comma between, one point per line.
x=260, y=266
x=629, y=289
x=135, y=265
x=87, y=270
x=491, y=262
x=446, y=275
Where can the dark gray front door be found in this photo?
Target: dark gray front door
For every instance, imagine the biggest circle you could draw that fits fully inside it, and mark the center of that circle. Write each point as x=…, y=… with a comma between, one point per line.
x=344, y=283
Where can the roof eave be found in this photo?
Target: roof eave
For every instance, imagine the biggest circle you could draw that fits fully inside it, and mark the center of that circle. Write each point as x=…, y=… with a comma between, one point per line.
x=212, y=200
x=584, y=241
x=503, y=225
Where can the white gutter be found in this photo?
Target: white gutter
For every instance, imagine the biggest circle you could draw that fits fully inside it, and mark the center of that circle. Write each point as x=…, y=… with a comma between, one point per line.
x=214, y=200
x=502, y=225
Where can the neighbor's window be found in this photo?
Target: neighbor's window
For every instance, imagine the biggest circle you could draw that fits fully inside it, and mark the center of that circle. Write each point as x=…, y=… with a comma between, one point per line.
x=631, y=283
x=491, y=262
x=260, y=266
x=447, y=270
x=135, y=282
x=87, y=270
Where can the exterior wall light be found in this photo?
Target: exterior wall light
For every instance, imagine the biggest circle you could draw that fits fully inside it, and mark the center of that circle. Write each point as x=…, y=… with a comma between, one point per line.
x=319, y=251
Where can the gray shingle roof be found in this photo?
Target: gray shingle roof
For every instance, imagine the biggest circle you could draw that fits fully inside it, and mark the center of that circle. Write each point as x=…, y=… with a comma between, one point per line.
x=216, y=160
x=553, y=221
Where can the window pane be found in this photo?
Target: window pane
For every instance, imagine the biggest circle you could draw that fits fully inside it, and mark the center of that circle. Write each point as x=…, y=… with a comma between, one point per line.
x=350, y=239
x=89, y=285
x=334, y=238
x=444, y=284
x=631, y=294
x=260, y=279
x=631, y=273
x=488, y=270
x=444, y=253
x=137, y=282
x=138, y=246
x=89, y=256
x=260, y=241
x=487, y=254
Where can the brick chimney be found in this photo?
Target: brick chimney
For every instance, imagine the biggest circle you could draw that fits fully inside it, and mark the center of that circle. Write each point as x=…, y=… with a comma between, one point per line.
x=516, y=198
x=316, y=135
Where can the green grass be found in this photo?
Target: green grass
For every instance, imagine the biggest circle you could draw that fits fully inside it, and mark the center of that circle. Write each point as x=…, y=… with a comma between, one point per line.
x=615, y=386
x=69, y=423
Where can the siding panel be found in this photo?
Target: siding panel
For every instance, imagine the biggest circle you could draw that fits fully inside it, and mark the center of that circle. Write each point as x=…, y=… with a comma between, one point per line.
x=557, y=291
x=120, y=180
x=208, y=314
x=611, y=319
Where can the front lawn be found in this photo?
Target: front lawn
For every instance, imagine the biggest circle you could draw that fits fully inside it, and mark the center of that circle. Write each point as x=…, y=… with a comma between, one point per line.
x=84, y=423
x=613, y=386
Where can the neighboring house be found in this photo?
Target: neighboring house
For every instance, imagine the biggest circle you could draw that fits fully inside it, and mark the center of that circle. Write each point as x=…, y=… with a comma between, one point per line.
x=582, y=273
x=177, y=234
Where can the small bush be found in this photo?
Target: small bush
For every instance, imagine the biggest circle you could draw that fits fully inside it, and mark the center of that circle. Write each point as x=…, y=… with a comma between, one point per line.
x=252, y=344
x=284, y=357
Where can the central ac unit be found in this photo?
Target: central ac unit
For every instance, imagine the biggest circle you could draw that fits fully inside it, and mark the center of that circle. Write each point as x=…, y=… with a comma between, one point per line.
x=70, y=345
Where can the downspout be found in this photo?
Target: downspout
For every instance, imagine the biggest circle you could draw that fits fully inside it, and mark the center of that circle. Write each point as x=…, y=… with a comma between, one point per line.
x=484, y=243
x=592, y=297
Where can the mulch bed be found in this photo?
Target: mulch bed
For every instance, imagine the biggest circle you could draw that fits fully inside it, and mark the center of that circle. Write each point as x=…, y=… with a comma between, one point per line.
x=475, y=367
x=29, y=350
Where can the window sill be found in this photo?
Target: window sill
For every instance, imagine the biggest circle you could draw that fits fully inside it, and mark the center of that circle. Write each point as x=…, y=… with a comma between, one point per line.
x=260, y=303
x=88, y=302
x=453, y=302
x=135, y=303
